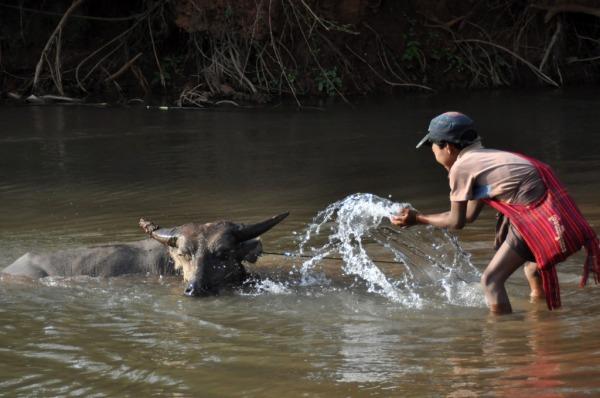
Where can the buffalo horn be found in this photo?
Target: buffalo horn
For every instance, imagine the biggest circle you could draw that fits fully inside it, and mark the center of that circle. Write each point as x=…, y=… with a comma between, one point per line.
x=166, y=236
x=163, y=235
x=247, y=232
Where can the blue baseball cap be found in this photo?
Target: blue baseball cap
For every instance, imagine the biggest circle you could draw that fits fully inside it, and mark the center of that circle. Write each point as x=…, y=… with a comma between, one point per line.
x=452, y=127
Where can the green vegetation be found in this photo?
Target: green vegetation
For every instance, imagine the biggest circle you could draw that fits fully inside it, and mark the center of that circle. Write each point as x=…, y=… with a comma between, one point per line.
x=202, y=51
x=328, y=82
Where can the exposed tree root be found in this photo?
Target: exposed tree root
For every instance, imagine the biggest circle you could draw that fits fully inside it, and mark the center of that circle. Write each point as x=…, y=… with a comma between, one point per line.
x=529, y=64
x=123, y=69
x=56, y=74
x=562, y=8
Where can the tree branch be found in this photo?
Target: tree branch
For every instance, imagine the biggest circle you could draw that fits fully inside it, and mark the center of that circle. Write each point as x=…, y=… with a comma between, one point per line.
x=61, y=23
x=535, y=70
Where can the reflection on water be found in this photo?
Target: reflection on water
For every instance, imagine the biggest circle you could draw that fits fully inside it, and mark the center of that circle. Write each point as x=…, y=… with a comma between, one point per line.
x=365, y=353
x=74, y=176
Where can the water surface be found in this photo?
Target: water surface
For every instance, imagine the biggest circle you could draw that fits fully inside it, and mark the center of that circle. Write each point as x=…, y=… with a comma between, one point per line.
x=74, y=176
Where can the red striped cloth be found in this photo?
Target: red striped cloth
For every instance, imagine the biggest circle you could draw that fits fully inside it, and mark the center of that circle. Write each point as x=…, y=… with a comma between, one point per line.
x=553, y=228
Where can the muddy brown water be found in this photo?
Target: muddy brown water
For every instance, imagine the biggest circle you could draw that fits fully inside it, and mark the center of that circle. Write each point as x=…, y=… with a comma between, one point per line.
x=73, y=176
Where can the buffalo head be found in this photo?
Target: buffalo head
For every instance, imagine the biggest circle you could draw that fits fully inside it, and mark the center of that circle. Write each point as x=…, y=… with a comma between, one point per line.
x=210, y=255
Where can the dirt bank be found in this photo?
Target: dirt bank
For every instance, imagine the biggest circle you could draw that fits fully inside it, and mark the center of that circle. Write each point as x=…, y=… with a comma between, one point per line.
x=200, y=51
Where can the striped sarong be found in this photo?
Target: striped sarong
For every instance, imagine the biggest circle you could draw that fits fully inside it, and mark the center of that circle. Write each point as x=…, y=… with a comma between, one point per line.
x=553, y=228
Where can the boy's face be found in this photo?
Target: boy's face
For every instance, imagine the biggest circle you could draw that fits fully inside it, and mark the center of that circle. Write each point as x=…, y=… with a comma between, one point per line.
x=445, y=155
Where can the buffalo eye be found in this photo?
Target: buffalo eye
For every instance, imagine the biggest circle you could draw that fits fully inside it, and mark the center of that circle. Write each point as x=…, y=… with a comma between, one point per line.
x=184, y=253
x=186, y=256
x=186, y=248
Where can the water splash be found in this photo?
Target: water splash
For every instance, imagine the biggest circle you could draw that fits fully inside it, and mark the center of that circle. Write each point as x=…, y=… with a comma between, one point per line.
x=267, y=286
x=413, y=267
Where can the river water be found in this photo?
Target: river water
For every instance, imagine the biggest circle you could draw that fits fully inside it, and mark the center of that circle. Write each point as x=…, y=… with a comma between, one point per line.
x=414, y=326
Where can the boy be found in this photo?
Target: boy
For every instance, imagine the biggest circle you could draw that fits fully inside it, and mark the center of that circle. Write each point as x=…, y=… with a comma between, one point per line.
x=538, y=222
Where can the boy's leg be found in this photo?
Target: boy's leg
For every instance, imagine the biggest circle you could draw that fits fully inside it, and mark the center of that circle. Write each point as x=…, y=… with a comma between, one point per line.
x=503, y=264
x=534, y=279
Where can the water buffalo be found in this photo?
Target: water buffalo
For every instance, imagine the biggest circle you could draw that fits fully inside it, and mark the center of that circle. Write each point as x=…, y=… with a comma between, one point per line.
x=209, y=255
x=143, y=257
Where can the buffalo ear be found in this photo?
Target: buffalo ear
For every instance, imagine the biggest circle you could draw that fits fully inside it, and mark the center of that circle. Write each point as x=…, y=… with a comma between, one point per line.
x=249, y=250
x=247, y=232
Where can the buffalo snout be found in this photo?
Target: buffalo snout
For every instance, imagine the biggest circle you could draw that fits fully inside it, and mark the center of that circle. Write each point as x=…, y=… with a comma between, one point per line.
x=193, y=290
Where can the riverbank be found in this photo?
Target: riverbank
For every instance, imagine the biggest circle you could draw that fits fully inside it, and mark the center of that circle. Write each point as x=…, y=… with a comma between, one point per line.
x=199, y=52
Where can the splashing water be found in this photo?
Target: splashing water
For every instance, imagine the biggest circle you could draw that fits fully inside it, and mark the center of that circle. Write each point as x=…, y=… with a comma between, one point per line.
x=413, y=267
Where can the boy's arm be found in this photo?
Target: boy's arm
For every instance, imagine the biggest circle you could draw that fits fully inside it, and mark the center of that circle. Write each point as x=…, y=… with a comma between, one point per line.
x=473, y=209
x=456, y=218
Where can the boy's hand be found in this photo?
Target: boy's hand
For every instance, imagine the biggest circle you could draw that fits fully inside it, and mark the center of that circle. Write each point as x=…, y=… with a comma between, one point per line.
x=406, y=218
